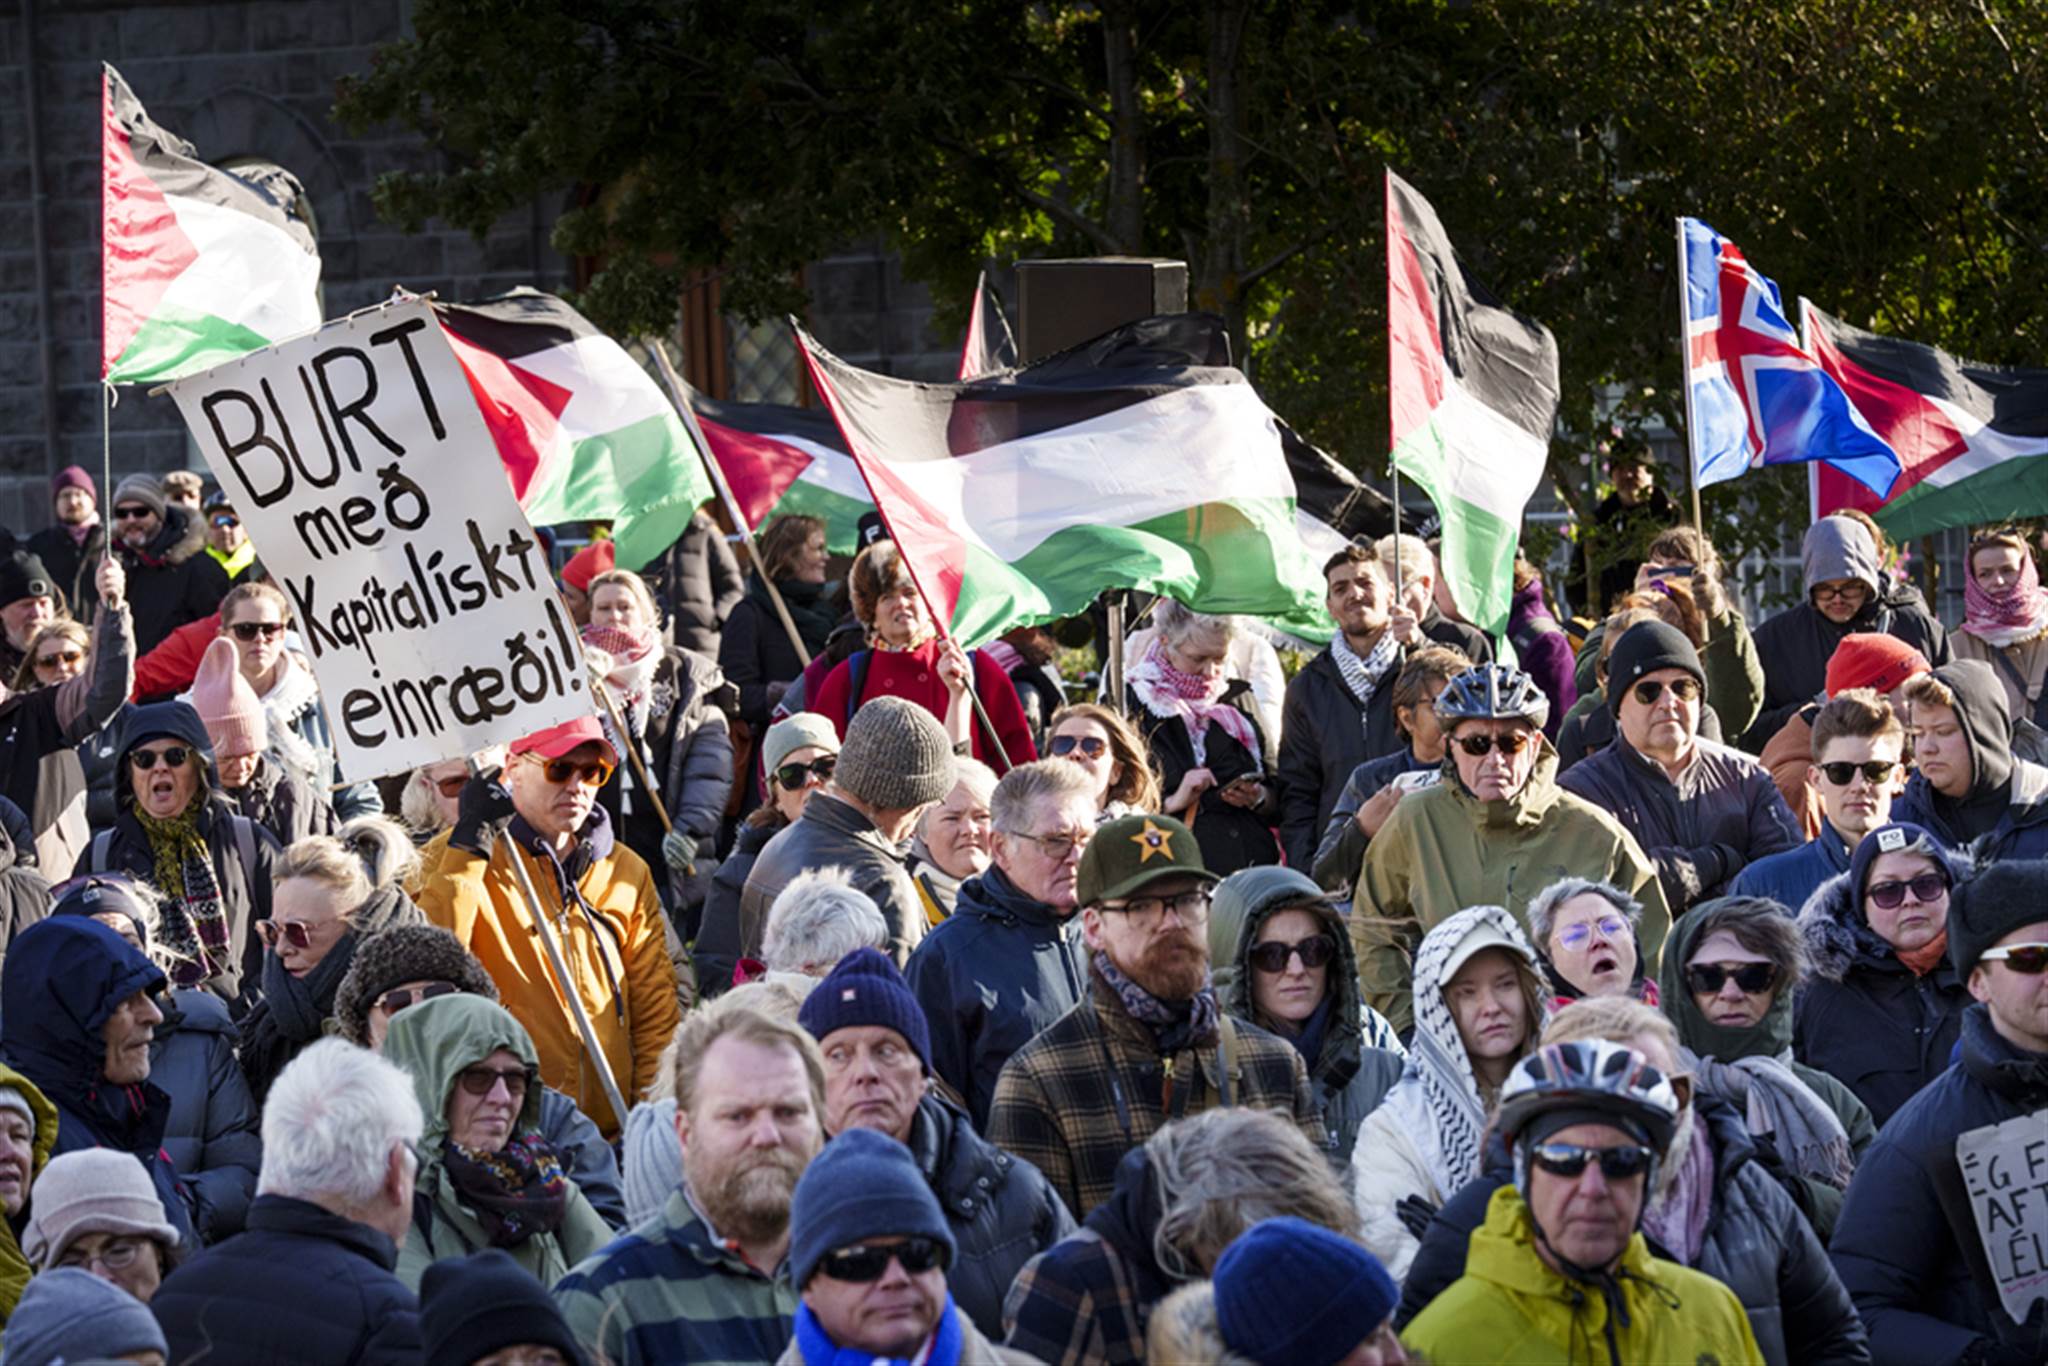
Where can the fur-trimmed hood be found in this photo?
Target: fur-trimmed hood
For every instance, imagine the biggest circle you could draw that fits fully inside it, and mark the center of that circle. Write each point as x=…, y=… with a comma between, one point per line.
x=182, y=536
x=1836, y=935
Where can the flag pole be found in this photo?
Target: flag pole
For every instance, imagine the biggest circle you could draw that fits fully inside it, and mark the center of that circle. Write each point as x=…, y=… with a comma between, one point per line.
x=1393, y=465
x=672, y=383
x=1692, y=464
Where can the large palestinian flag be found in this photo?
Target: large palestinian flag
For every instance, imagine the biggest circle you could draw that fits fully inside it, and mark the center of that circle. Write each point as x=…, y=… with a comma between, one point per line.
x=1473, y=390
x=1118, y=464
x=584, y=432
x=197, y=265
x=780, y=460
x=1972, y=439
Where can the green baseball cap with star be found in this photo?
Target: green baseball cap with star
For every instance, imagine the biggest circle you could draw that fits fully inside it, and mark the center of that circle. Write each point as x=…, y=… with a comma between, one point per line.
x=1132, y=852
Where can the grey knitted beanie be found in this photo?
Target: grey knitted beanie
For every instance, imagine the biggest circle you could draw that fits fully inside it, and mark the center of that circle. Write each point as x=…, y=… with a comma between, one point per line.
x=896, y=756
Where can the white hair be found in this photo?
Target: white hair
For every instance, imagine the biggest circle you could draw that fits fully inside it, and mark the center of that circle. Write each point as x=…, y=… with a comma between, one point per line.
x=817, y=920
x=1178, y=624
x=1543, y=907
x=329, y=1123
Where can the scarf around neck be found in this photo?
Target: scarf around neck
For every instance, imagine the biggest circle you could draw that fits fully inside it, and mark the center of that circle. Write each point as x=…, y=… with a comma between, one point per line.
x=1807, y=1134
x=816, y=1347
x=1175, y=1025
x=1363, y=674
x=812, y=606
x=515, y=1192
x=297, y=1007
x=1172, y=695
x=1677, y=1218
x=194, y=927
x=2001, y=619
x=1927, y=957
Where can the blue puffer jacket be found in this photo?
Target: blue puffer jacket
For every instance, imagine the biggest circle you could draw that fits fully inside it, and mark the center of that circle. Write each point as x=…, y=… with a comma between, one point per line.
x=213, y=1134
x=1793, y=876
x=1924, y=1292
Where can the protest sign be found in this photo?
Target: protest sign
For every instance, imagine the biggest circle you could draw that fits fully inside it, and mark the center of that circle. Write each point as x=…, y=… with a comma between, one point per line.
x=2005, y=1170
x=377, y=501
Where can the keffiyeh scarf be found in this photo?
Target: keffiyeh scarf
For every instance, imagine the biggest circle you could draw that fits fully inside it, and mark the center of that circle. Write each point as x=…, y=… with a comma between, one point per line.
x=1176, y=1025
x=1364, y=674
x=2001, y=619
x=1808, y=1135
x=195, y=924
x=515, y=1192
x=1169, y=694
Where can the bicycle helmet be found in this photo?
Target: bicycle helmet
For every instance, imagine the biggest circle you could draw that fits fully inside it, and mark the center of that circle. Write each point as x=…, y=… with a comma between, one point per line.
x=1489, y=692
x=1588, y=1081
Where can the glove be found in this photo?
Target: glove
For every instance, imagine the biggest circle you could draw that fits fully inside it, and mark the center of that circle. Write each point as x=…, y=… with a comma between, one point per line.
x=707, y=867
x=1414, y=1212
x=481, y=814
x=679, y=851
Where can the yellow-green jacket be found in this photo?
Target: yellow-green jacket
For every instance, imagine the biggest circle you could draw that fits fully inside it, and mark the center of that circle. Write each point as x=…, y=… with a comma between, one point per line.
x=1509, y=1307
x=14, y=1267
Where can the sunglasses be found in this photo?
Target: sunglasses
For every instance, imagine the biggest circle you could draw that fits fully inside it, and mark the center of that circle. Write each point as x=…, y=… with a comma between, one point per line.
x=591, y=772
x=257, y=630
x=1094, y=746
x=132, y=514
x=451, y=788
x=62, y=657
x=174, y=756
x=2030, y=960
x=398, y=999
x=223, y=519
x=1274, y=955
x=1514, y=742
x=293, y=932
x=1890, y=896
x=1841, y=774
x=1753, y=978
x=479, y=1081
x=1570, y=1160
x=1684, y=689
x=863, y=1264
x=793, y=777
x=1577, y=936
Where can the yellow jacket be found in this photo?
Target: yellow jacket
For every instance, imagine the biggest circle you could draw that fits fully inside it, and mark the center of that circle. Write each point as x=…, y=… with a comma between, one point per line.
x=1509, y=1307
x=620, y=965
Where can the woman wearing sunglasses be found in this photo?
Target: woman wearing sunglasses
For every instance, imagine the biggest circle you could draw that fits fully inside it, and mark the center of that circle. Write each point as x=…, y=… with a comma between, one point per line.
x=433, y=794
x=1105, y=747
x=1730, y=971
x=1282, y=961
x=1585, y=935
x=1884, y=1006
x=487, y=1176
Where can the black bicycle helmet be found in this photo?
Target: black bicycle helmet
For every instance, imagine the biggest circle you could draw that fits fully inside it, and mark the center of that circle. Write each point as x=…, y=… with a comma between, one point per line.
x=1492, y=692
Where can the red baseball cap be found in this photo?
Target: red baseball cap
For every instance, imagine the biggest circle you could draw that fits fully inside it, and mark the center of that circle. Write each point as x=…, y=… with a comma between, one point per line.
x=599, y=557
x=556, y=741
x=1873, y=660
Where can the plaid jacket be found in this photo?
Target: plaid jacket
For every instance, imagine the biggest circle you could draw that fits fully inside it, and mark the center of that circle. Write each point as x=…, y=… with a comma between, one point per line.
x=1056, y=1107
x=1082, y=1301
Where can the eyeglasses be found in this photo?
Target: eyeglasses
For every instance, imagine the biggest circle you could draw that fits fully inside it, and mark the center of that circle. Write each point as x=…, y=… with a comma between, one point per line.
x=1570, y=1160
x=225, y=519
x=1842, y=774
x=451, y=788
x=1094, y=746
x=794, y=777
x=1055, y=847
x=591, y=772
x=1753, y=978
x=1275, y=955
x=399, y=998
x=1889, y=896
x=1684, y=689
x=1855, y=588
x=1578, y=935
x=860, y=1265
x=1192, y=907
x=174, y=756
x=61, y=657
x=116, y=1254
x=2030, y=960
x=1513, y=742
x=257, y=630
x=293, y=932
x=132, y=513
x=479, y=1081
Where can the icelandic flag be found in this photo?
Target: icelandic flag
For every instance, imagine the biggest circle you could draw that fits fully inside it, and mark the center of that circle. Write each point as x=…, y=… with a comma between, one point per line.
x=1756, y=397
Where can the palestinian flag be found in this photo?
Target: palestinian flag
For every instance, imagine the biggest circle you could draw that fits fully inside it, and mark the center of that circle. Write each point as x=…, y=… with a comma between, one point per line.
x=1473, y=390
x=584, y=432
x=1972, y=439
x=197, y=265
x=988, y=347
x=780, y=460
x=1122, y=463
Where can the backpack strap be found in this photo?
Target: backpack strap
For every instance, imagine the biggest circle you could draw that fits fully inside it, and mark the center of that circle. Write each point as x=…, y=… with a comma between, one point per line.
x=2019, y=681
x=856, y=679
x=100, y=844
x=245, y=845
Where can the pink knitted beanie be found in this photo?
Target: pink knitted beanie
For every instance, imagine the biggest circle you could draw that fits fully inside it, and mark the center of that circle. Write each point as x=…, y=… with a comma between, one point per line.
x=227, y=704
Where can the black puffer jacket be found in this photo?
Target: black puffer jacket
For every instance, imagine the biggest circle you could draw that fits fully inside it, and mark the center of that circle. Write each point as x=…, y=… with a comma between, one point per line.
x=172, y=580
x=997, y=970
x=700, y=581
x=715, y=949
x=214, y=1133
x=1325, y=732
x=687, y=746
x=72, y=564
x=1231, y=837
x=1001, y=1209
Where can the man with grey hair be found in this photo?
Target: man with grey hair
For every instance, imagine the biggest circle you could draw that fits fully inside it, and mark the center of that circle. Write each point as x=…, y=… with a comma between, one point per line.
x=1416, y=620
x=1007, y=963
x=817, y=920
x=311, y=1277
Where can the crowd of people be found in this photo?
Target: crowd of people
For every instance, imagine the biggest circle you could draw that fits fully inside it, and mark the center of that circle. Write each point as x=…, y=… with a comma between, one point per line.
x=1617, y=990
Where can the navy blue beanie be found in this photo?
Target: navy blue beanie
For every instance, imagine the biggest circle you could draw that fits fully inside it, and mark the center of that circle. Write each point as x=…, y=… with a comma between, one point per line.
x=861, y=1185
x=1288, y=1290
x=865, y=988
x=474, y=1306
x=1892, y=839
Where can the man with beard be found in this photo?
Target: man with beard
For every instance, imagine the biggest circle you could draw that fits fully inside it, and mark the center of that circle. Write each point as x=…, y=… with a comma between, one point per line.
x=171, y=581
x=702, y=1281
x=1149, y=1025
x=72, y=546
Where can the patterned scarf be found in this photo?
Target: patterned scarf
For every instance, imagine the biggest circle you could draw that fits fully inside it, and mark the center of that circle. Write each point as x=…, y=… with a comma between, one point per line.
x=1363, y=675
x=1169, y=694
x=636, y=657
x=515, y=1192
x=1175, y=1025
x=2001, y=619
x=1677, y=1216
x=195, y=925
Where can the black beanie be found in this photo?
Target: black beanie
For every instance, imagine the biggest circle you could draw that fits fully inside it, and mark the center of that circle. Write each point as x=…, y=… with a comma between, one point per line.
x=1989, y=906
x=1645, y=648
x=473, y=1306
x=22, y=576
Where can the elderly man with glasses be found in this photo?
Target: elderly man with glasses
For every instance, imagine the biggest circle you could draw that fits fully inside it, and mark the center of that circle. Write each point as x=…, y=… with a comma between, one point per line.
x=603, y=913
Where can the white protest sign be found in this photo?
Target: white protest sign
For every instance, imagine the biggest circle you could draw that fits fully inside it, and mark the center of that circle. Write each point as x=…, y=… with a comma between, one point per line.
x=2005, y=1169
x=376, y=500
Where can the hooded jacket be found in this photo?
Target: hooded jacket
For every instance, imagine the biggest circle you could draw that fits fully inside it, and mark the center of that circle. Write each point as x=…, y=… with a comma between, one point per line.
x=213, y=1133
x=1511, y=1307
x=701, y=582
x=1443, y=850
x=1088, y=1298
x=1325, y=733
x=1349, y=1077
x=1797, y=643
x=1907, y=1247
x=2004, y=815
x=62, y=980
x=171, y=581
x=433, y=1042
x=991, y=976
x=14, y=1267
x=831, y=833
x=24, y=894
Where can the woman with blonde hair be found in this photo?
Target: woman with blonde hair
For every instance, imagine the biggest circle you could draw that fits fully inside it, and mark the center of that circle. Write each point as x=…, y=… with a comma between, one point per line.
x=1109, y=751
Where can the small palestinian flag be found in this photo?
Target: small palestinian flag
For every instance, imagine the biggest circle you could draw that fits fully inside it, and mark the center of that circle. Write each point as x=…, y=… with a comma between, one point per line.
x=1473, y=391
x=197, y=265
x=584, y=432
x=780, y=460
x=1122, y=463
x=1972, y=439
x=988, y=348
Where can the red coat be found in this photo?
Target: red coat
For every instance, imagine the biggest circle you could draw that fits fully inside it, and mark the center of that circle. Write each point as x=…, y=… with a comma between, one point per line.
x=913, y=674
x=170, y=668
